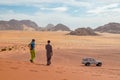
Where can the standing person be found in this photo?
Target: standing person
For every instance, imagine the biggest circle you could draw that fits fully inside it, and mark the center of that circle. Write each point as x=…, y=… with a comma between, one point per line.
x=32, y=50
x=49, y=52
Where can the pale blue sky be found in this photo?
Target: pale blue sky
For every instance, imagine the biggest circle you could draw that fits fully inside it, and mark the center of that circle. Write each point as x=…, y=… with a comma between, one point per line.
x=73, y=13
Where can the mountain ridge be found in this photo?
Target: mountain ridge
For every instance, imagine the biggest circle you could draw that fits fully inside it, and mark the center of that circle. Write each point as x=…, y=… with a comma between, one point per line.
x=18, y=25
x=109, y=28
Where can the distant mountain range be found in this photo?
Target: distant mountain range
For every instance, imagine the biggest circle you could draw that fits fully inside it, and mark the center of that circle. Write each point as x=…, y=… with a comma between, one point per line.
x=109, y=28
x=30, y=25
x=18, y=25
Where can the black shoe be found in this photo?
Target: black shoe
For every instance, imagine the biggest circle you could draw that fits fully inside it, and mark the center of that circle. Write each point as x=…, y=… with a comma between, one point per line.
x=31, y=61
x=47, y=64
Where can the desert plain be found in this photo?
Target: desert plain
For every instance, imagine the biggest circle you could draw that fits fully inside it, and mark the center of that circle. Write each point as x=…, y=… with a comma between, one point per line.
x=68, y=51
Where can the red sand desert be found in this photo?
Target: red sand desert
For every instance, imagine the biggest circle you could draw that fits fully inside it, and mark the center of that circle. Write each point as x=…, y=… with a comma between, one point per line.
x=68, y=52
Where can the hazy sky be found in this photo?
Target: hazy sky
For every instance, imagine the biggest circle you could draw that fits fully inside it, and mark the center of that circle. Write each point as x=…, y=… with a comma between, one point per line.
x=73, y=13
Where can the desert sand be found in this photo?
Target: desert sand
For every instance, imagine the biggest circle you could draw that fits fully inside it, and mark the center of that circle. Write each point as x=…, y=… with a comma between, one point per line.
x=68, y=51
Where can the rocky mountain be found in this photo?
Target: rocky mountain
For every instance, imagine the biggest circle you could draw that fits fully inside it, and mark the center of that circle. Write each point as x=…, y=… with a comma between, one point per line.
x=83, y=32
x=49, y=27
x=30, y=24
x=109, y=28
x=18, y=25
x=60, y=27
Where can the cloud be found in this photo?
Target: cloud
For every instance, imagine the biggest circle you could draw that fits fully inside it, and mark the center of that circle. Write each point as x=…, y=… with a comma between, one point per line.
x=42, y=19
x=37, y=2
x=78, y=3
x=105, y=9
x=73, y=13
x=58, y=9
x=109, y=1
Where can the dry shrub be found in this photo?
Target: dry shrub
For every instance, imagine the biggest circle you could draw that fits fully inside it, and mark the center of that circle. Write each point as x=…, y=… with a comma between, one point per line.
x=4, y=49
x=9, y=49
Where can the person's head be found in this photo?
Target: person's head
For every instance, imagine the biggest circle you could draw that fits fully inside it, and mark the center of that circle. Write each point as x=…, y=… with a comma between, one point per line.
x=48, y=41
x=33, y=40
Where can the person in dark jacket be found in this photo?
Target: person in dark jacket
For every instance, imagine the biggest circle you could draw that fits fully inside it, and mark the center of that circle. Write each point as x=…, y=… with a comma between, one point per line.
x=49, y=52
x=32, y=50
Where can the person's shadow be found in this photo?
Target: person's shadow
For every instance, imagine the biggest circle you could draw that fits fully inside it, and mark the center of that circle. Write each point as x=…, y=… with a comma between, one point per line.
x=40, y=64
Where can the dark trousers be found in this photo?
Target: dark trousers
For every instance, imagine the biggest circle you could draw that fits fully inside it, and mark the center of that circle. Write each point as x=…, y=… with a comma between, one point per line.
x=48, y=59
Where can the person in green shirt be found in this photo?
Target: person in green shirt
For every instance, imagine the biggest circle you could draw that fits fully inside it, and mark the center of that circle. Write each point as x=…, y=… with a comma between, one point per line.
x=32, y=50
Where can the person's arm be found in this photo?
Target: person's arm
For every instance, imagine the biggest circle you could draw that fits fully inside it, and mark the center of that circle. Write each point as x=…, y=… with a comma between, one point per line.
x=29, y=45
x=51, y=51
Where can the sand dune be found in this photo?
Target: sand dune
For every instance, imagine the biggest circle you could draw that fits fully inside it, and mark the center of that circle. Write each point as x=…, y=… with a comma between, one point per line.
x=66, y=61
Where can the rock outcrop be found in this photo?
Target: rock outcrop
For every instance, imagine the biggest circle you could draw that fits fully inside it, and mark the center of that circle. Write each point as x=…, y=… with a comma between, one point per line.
x=83, y=32
x=109, y=28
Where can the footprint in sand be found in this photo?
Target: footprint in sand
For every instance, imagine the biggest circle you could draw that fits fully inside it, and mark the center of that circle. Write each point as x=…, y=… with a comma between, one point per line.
x=58, y=72
x=15, y=68
x=114, y=69
x=33, y=70
x=40, y=64
x=8, y=62
x=74, y=72
x=112, y=77
x=96, y=75
x=45, y=70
